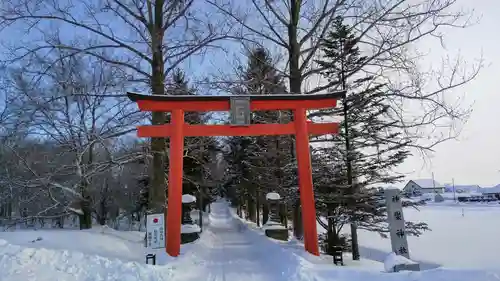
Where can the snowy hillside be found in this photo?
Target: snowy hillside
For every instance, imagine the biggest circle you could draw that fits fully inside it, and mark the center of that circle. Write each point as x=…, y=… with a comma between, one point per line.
x=227, y=250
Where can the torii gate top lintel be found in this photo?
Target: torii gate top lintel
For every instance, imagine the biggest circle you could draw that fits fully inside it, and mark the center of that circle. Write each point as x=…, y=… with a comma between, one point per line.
x=222, y=103
x=281, y=97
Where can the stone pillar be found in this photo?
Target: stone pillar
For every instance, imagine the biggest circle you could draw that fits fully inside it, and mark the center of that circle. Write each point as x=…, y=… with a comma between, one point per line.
x=396, y=222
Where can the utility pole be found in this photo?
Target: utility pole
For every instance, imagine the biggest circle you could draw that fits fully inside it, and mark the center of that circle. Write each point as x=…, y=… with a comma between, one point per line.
x=433, y=184
x=454, y=194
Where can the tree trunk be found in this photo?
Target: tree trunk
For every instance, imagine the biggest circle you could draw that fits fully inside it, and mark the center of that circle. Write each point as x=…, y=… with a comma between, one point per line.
x=61, y=222
x=283, y=219
x=350, y=176
x=103, y=208
x=157, y=192
x=102, y=212
x=295, y=83
x=240, y=205
x=102, y=220
x=354, y=241
x=85, y=203
x=9, y=210
x=257, y=206
x=294, y=51
x=298, y=230
x=330, y=232
x=201, y=204
x=285, y=222
x=251, y=208
x=265, y=212
x=86, y=218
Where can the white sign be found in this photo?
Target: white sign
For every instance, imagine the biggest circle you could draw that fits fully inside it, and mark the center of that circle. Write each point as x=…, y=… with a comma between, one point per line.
x=155, y=231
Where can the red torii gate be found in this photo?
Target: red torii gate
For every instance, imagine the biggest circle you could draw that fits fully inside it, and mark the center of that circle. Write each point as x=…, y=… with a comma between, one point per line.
x=240, y=108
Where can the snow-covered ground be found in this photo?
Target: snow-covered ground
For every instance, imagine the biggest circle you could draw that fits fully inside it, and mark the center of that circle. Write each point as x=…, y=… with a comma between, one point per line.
x=107, y=242
x=462, y=236
x=227, y=250
x=74, y=255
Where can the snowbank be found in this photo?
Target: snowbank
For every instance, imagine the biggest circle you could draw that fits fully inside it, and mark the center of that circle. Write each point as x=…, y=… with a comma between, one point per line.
x=351, y=274
x=103, y=241
x=23, y=263
x=393, y=260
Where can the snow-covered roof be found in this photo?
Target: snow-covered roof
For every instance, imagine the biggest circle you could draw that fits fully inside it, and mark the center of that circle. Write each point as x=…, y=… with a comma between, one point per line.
x=462, y=188
x=428, y=183
x=390, y=187
x=487, y=190
x=451, y=195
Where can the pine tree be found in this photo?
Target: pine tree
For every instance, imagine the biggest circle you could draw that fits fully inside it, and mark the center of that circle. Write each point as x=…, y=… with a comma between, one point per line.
x=362, y=157
x=262, y=158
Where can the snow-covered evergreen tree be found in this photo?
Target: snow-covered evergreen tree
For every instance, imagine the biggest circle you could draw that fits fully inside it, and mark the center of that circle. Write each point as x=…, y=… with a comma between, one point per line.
x=362, y=157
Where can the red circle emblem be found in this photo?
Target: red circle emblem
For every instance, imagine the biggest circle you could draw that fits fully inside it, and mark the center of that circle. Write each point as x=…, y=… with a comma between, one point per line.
x=155, y=220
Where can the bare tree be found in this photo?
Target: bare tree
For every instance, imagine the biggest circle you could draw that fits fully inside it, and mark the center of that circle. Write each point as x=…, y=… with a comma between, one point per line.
x=387, y=32
x=149, y=39
x=73, y=111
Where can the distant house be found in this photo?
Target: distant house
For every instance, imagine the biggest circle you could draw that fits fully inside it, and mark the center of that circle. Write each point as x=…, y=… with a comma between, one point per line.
x=474, y=188
x=422, y=186
x=491, y=191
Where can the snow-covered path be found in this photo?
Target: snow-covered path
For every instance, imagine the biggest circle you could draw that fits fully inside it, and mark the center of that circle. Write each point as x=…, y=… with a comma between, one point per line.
x=228, y=251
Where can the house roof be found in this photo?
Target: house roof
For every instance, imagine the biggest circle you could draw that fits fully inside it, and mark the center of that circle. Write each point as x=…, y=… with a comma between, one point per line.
x=448, y=195
x=495, y=189
x=462, y=187
x=427, y=183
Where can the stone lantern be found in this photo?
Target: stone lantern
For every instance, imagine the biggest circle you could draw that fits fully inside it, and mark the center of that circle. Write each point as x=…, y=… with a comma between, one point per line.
x=189, y=231
x=273, y=227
